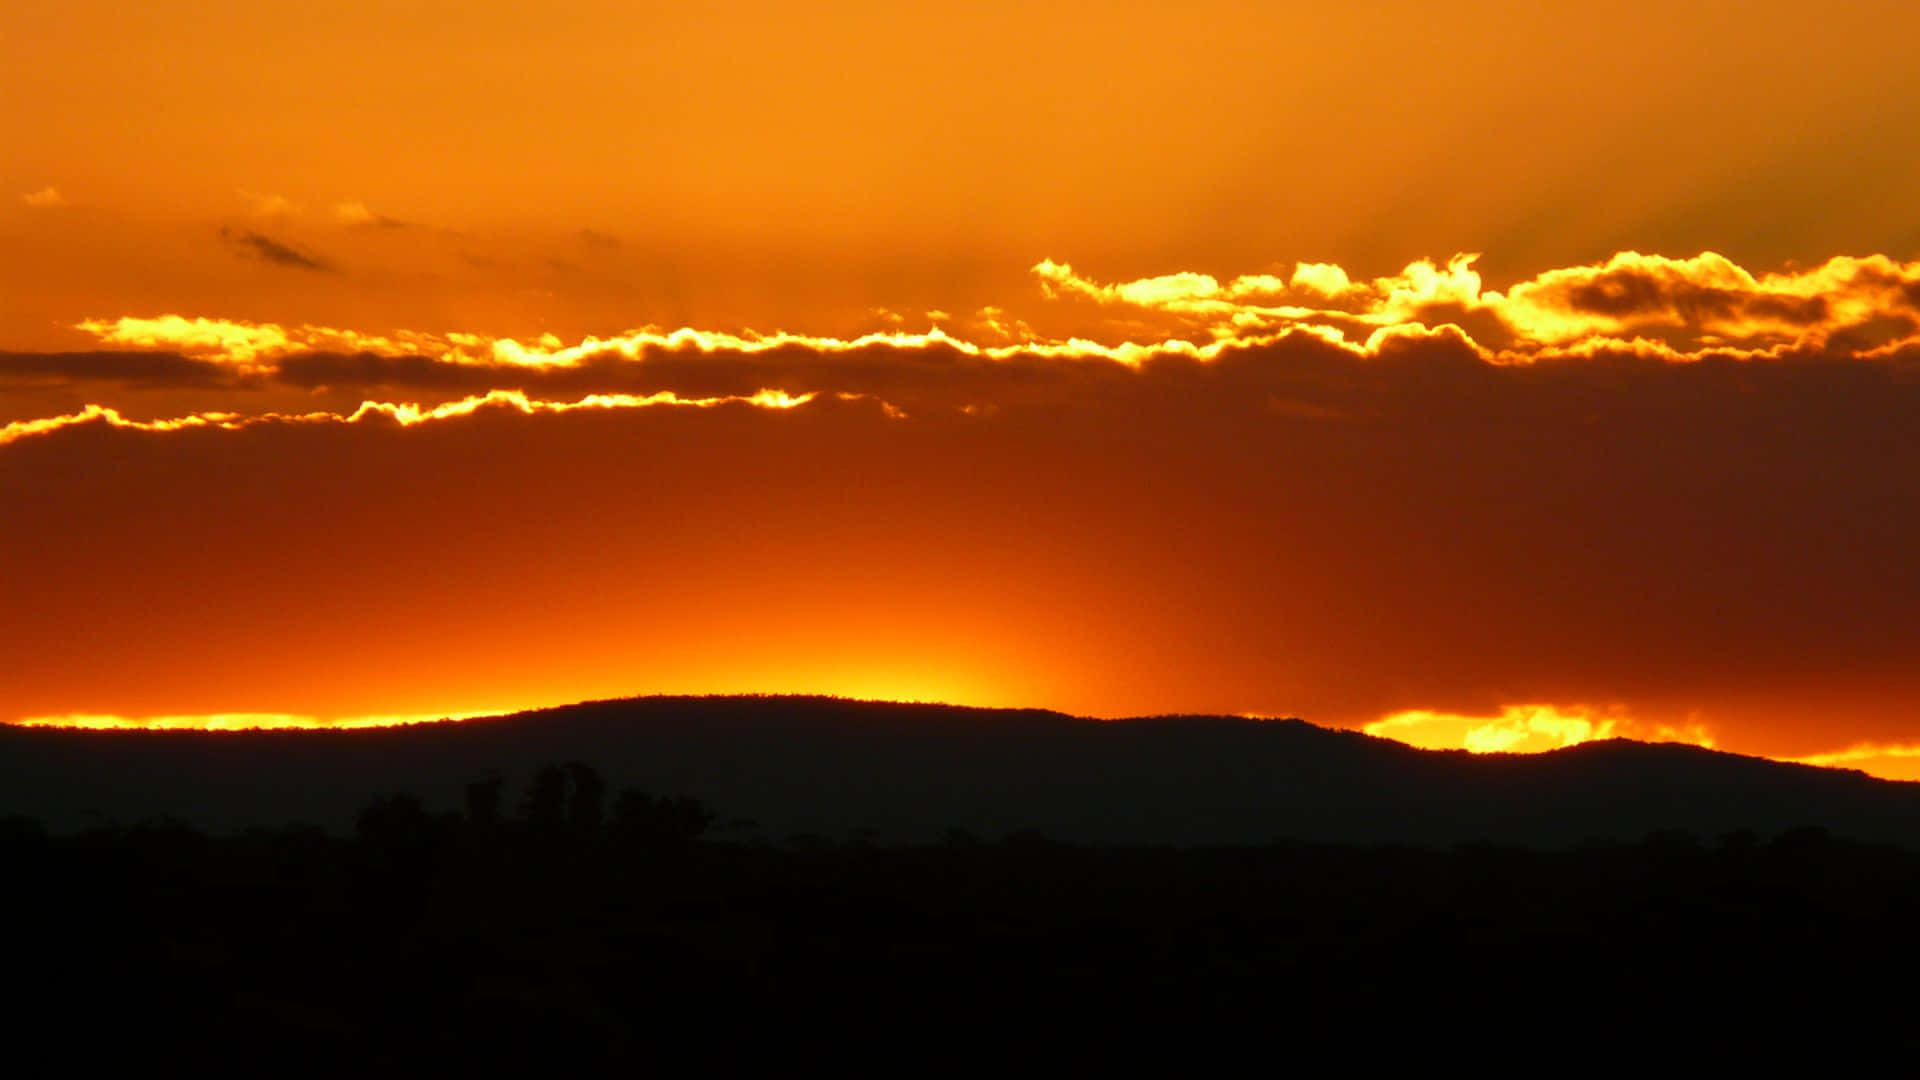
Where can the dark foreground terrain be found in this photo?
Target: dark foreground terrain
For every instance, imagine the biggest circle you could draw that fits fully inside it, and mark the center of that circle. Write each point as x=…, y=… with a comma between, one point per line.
x=554, y=940
x=920, y=887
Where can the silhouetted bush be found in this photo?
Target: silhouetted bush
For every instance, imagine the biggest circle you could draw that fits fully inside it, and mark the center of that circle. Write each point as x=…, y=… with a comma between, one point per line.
x=395, y=823
x=545, y=806
x=643, y=820
x=586, y=799
x=483, y=802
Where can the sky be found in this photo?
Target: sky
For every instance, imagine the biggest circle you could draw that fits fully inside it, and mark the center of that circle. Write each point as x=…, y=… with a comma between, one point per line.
x=1485, y=375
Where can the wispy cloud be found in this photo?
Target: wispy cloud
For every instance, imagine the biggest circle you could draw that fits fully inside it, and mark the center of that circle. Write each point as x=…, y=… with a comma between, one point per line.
x=46, y=198
x=264, y=205
x=267, y=248
x=404, y=414
x=1890, y=761
x=356, y=215
x=127, y=367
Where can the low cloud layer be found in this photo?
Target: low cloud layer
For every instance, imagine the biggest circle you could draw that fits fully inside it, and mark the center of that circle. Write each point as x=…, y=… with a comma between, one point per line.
x=1672, y=309
x=1631, y=309
x=403, y=414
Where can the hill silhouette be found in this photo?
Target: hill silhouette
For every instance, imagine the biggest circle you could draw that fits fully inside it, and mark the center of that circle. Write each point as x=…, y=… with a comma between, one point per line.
x=906, y=773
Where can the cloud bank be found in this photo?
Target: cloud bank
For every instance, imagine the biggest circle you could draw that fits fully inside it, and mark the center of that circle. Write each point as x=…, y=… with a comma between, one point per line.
x=1630, y=308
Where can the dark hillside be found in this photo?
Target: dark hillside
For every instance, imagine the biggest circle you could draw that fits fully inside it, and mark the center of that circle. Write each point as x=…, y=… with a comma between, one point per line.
x=909, y=773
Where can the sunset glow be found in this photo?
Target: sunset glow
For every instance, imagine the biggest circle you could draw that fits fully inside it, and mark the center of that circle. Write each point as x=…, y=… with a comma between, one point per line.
x=1886, y=762
x=1520, y=729
x=236, y=722
x=1449, y=385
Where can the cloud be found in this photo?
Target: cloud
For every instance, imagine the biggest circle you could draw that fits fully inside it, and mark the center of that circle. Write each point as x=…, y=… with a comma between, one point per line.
x=356, y=215
x=596, y=238
x=515, y=358
x=1889, y=761
x=1677, y=309
x=46, y=198
x=273, y=251
x=1316, y=295
x=1376, y=358
x=1709, y=298
x=268, y=206
x=404, y=414
x=125, y=367
x=1632, y=308
x=247, y=347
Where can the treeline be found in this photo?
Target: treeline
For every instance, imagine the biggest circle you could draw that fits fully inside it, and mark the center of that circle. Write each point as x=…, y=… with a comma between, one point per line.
x=564, y=805
x=564, y=924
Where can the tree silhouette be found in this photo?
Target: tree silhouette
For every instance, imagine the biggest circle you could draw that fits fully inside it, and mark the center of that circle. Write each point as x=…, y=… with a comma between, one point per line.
x=396, y=824
x=647, y=821
x=400, y=845
x=544, y=808
x=483, y=802
x=584, y=807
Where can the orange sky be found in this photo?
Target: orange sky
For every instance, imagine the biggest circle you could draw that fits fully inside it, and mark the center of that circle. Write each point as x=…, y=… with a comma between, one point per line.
x=1124, y=361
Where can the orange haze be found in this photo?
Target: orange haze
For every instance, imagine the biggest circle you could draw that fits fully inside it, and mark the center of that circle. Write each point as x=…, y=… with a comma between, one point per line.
x=1396, y=366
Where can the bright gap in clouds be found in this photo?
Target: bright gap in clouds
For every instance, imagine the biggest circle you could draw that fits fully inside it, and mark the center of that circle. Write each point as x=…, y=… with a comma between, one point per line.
x=242, y=721
x=1528, y=729
x=1533, y=729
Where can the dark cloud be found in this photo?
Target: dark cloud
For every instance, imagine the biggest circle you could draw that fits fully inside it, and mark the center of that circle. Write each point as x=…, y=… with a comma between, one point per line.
x=124, y=367
x=1301, y=369
x=598, y=239
x=933, y=377
x=273, y=251
x=372, y=371
x=1628, y=294
x=1618, y=295
x=1802, y=310
x=1301, y=373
